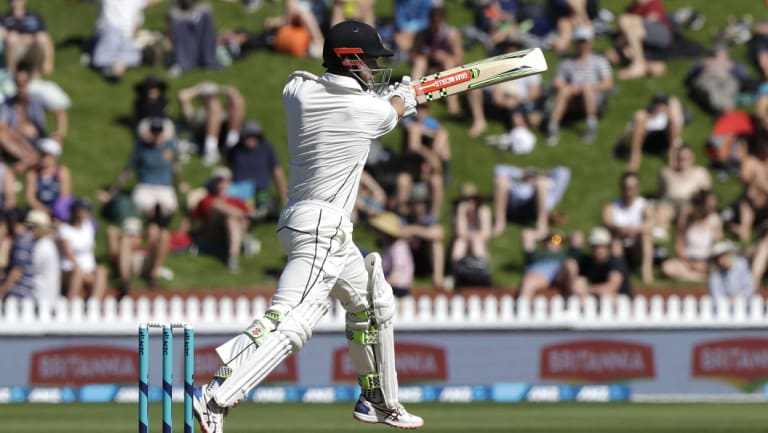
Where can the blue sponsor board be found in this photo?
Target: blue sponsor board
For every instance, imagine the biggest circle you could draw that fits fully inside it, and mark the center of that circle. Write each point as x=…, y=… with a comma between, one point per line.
x=500, y=392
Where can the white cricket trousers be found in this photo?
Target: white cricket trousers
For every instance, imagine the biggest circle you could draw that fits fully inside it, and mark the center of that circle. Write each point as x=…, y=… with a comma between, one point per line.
x=322, y=261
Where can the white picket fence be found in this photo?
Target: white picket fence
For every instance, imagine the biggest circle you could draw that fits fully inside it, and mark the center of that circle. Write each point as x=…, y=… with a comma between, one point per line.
x=424, y=313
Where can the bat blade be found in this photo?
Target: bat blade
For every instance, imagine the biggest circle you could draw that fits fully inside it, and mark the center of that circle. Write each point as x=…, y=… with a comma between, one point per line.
x=481, y=73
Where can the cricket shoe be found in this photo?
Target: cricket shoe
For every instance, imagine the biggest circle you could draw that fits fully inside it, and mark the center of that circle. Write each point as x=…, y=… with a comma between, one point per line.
x=372, y=413
x=208, y=414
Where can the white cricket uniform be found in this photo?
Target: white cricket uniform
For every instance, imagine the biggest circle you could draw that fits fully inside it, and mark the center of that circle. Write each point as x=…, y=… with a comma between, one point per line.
x=331, y=123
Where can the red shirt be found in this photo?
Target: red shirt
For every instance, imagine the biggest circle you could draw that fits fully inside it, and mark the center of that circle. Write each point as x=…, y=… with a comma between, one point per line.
x=203, y=208
x=651, y=8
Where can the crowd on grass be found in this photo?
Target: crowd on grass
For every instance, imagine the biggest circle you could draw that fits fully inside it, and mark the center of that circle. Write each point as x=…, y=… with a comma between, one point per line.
x=684, y=231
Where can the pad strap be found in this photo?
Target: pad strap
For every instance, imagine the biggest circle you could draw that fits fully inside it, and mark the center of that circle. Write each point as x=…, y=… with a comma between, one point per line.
x=368, y=336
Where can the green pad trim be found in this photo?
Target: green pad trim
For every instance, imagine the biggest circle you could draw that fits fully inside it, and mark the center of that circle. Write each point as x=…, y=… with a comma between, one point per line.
x=274, y=316
x=363, y=336
x=369, y=381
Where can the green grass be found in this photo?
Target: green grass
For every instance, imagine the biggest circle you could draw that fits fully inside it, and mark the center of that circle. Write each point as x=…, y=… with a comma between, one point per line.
x=98, y=145
x=442, y=418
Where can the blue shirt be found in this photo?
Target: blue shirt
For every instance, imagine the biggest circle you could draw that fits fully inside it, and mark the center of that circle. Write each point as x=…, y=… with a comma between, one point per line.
x=253, y=164
x=412, y=15
x=21, y=257
x=29, y=24
x=154, y=164
x=734, y=281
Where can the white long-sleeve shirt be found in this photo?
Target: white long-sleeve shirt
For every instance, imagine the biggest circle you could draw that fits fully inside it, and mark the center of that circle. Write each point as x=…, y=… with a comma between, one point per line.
x=331, y=123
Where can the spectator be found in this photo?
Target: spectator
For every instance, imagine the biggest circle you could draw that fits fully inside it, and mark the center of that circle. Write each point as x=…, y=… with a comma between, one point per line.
x=115, y=49
x=18, y=280
x=716, y=81
x=357, y=10
x=678, y=184
x=439, y=47
x=23, y=121
x=207, y=119
x=600, y=272
x=150, y=99
x=193, y=33
x=644, y=23
x=656, y=128
x=630, y=218
x=82, y=276
x=753, y=203
x=568, y=16
x=580, y=86
x=371, y=198
x=411, y=18
x=50, y=180
x=223, y=219
x=155, y=164
x=760, y=255
x=699, y=228
x=513, y=100
x=46, y=263
x=421, y=179
x=758, y=48
x=396, y=256
x=6, y=238
x=552, y=265
x=497, y=20
x=7, y=189
x=255, y=166
x=298, y=31
x=426, y=136
x=472, y=226
x=26, y=38
x=426, y=235
x=729, y=275
x=524, y=196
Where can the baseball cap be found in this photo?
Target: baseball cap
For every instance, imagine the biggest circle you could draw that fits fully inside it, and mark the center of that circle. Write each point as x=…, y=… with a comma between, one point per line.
x=599, y=236
x=352, y=37
x=583, y=33
x=49, y=146
x=251, y=128
x=221, y=172
x=38, y=218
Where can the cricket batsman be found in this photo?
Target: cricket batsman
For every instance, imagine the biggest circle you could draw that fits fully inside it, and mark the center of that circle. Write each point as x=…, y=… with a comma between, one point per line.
x=331, y=122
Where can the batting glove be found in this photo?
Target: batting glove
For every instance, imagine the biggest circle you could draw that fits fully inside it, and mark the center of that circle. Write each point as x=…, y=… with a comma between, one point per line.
x=404, y=90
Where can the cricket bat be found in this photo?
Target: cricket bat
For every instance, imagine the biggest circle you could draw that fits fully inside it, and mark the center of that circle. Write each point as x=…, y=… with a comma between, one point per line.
x=482, y=73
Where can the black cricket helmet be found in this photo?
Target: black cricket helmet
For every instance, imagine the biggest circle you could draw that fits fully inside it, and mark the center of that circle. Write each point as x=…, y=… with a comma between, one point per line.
x=352, y=46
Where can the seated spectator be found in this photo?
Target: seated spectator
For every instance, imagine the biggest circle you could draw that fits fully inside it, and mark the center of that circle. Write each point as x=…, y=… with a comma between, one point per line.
x=760, y=255
x=630, y=218
x=656, y=129
x=224, y=219
x=699, y=227
x=53, y=96
x=193, y=34
x=396, y=256
x=411, y=18
x=26, y=38
x=426, y=136
x=23, y=121
x=18, y=280
x=716, y=81
x=551, y=265
x=568, y=15
x=155, y=163
x=124, y=236
x=425, y=235
x=496, y=20
x=472, y=226
x=150, y=99
x=679, y=182
x=600, y=272
x=513, y=100
x=645, y=23
x=580, y=87
x=729, y=274
x=525, y=196
x=209, y=118
x=356, y=10
x=46, y=263
x=298, y=31
x=255, y=166
x=371, y=198
x=731, y=135
x=7, y=189
x=420, y=179
x=115, y=49
x=753, y=203
x=50, y=180
x=82, y=276
x=758, y=48
x=437, y=48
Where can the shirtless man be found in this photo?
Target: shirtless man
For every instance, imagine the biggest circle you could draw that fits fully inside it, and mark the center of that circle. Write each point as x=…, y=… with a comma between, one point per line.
x=753, y=205
x=678, y=182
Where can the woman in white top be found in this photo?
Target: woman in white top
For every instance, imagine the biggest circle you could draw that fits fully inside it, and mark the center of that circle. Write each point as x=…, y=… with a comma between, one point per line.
x=698, y=229
x=629, y=218
x=81, y=274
